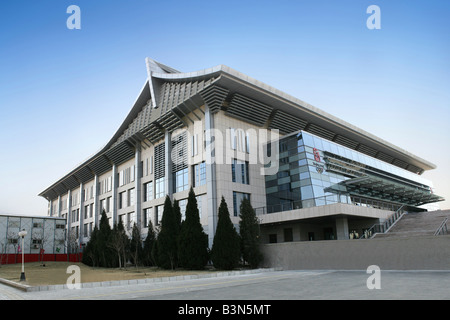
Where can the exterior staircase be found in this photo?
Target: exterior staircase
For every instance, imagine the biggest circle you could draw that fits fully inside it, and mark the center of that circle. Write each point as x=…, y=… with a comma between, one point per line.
x=414, y=224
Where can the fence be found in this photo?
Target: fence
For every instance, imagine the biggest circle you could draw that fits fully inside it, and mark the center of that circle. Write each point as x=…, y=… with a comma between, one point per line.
x=326, y=200
x=11, y=258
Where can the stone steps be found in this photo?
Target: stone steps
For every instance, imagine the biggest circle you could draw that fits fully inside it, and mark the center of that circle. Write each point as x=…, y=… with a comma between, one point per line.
x=417, y=224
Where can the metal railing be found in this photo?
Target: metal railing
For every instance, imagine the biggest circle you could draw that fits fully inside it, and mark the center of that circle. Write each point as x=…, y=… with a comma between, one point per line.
x=442, y=230
x=385, y=226
x=327, y=200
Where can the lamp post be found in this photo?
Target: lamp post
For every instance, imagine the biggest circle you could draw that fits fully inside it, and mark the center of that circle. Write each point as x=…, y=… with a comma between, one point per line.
x=22, y=234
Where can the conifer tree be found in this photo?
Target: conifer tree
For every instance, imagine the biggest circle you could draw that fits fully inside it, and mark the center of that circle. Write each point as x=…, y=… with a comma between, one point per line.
x=249, y=231
x=167, y=243
x=177, y=214
x=103, y=250
x=136, y=245
x=147, y=255
x=193, y=242
x=90, y=255
x=225, y=252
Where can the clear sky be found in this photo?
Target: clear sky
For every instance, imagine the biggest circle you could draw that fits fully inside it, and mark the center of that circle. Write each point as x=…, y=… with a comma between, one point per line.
x=63, y=93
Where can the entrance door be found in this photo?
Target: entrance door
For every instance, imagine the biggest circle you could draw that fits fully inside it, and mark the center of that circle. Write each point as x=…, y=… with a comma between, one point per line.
x=328, y=234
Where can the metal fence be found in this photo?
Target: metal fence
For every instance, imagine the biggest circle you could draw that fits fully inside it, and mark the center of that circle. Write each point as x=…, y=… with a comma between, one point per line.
x=327, y=200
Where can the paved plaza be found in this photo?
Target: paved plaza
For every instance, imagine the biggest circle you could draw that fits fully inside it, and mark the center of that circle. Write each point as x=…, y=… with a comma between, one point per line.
x=271, y=285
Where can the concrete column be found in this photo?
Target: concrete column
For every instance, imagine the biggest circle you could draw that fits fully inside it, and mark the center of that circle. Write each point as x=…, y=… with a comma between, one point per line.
x=69, y=218
x=168, y=169
x=210, y=178
x=81, y=221
x=59, y=206
x=342, y=228
x=50, y=208
x=115, y=183
x=137, y=186
x=96, y=212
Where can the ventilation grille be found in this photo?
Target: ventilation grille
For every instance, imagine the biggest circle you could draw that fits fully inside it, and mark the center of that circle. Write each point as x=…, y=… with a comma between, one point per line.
x=248, y=109
x=214, y=97
x=160, y=161
x=286, y=122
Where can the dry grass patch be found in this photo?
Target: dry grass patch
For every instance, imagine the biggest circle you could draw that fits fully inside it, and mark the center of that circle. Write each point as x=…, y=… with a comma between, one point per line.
x=55, y=273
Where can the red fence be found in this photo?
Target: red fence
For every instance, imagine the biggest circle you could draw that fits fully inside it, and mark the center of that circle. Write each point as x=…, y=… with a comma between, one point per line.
x=11, y=258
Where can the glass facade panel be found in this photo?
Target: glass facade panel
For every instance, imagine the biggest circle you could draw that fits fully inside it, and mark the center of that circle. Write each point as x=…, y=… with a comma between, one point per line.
x=160, y=188
x=181, y=180
x=313, y=172
x=240, y=172
x=237, y=199
x=199, y=174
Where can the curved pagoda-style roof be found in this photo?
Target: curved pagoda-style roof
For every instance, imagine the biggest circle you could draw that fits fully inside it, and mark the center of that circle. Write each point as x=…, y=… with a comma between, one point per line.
x=168, y=96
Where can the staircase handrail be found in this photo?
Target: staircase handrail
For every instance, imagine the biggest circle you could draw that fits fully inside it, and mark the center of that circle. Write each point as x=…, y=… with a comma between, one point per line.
x=442, y=228
x=384, y=226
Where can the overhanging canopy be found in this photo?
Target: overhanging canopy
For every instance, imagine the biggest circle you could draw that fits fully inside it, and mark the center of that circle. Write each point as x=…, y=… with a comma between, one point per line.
x=385, y=189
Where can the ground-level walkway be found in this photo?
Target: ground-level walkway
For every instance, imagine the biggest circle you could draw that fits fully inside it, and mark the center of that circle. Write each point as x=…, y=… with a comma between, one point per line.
x=272, y=285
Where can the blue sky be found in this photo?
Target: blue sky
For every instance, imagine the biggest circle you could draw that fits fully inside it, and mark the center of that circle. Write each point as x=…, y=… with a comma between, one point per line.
x=63, y=93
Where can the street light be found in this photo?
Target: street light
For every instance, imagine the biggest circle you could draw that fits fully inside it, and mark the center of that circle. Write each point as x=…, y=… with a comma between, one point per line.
x=22, y=234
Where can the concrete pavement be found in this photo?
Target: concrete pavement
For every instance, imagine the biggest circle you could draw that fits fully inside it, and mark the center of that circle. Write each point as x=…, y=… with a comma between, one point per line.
x=272, y=285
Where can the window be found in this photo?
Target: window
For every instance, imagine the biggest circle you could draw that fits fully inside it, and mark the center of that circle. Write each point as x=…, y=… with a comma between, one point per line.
x=199, y=205
x=75, y=215
x=60, y=225
x=147, y=166
x=182, y=203
x=147, y=217
x=130, y=197
x=148, y=191
x=237, y=199
x=130, y=220
x=199, y=174
x=194, y=146
x=127, y=175
x=158, y=214
x=122, y=199
x=64, y=203
x=240, y=140
x=108, y=204
x=288, y=237
x=239, y=171
x=102, y=205
x=91, y=210
x=85, y=194
x=74, y=199
x=105, y=185
x=160, y=188
x=273, y=238
x=38, y=225
x=181, y=180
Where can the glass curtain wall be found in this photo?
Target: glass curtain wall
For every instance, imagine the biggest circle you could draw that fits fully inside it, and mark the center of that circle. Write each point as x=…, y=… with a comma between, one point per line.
x=305, y=180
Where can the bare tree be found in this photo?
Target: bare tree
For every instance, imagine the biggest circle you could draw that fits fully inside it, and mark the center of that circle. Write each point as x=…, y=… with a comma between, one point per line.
x=13, y=240
x=118, y=243
x=72, y=243
x=3, y=246
x=40, y=239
